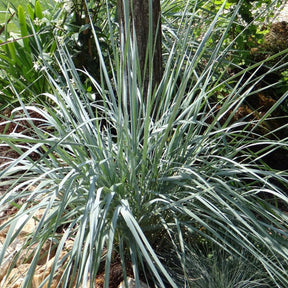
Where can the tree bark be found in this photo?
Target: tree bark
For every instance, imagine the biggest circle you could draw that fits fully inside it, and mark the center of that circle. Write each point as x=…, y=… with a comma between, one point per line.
x=148, y=36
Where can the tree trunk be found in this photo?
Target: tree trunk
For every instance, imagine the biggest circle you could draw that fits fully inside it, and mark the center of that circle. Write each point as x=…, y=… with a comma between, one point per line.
x=148, y=36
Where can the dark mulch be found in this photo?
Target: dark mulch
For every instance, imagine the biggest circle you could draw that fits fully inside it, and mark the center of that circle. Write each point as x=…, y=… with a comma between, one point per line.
x=12, y=123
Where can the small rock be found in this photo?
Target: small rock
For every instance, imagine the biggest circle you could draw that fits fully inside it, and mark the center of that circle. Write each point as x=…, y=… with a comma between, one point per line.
x=11, y=251
x=132, y=284
x=15, y=277
x=44, y=271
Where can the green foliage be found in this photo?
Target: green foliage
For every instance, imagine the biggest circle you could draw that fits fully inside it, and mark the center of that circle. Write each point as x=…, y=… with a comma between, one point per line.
x=20, y=55
x=140, y=177
x=23, y=29
x=248, y=7
x=77, y=32
x=65, y=22
x=247, y=31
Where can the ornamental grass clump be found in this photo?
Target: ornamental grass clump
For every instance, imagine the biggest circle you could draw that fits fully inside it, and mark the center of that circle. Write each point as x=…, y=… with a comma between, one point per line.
x=145, y=180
